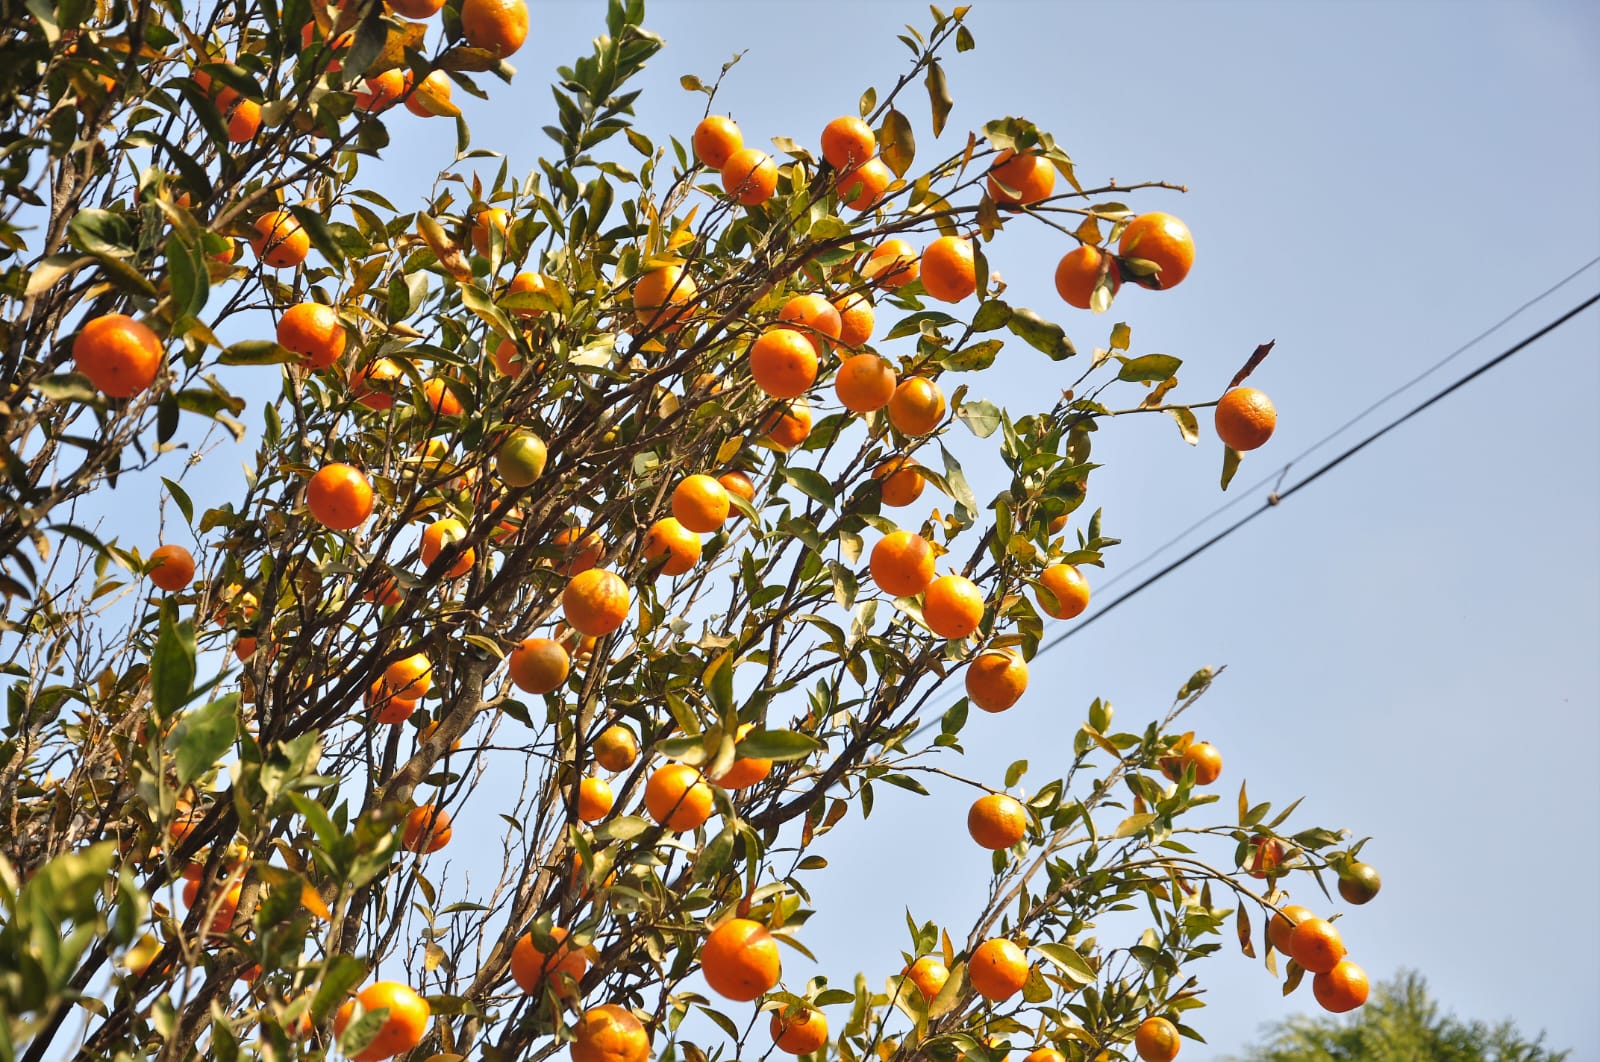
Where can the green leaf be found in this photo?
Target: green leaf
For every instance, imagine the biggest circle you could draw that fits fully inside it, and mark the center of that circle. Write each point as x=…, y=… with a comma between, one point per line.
x=100, y=232
x=991, y=315
x=180, y=497
x=1073, y=966
x=1188, y=426
x=938, y=97
x=982, y=418
x=973, y=358
x=1121, y=335
x=1045, y=336
x=256, y=352
x=1230, y=465
x=202, y=736
x=779, y=745
x=811, y=483
x=67, y=387
x=1149, y=368
x=1134, y=825
x=172, y=665
x=896, y=143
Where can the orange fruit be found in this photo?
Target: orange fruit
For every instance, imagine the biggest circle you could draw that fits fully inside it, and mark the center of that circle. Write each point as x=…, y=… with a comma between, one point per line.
x=917, y=406
x=387, y=709
x=426, y=732
x=227, y=907
x=1207, y=762
x=1156, y=1040
x=403, y=1028
x=416, y=10
x=801, y=1033
x=1267, y=855
x=508, y=358
x=538, y=665
x=1341, y=989
x=244, y=647
x=1316, y=945
x=891, y=264
x=531, y=968
x=783, y=362
x=1079, y=271
x=997, y=821
x=902, y=563
x=744, y=771
x=1070, y=588
x=949, y=273
x=678, y=798
x=280, y=240
x=1029, y=176
x=1163, y=240
x=171, y=567
x=929, y=975
x=670, y=539
x=740, y=960
x=427, y=830
x=582, y=550
x=856, y=319
x=609, y=1033
x=861, y=187
x=998, y=969
x=380, y=93
x=244, y=121
x=1045, y=1054
x=596, y=602
x=953, y=606
x=813, y=315
x=313, y=331
x=525, y=282
x=716, y=140
x=120, y=356
x=1281, y=927
x=410, y=677
x=865, y=383
x=750, y=176
x=661, y=297
x=996, y=679
x=487, y=222
x=438, y=397
x=789, y=425
x=738, y=483
x=900, y=480
x=1359, y=883
x=616, y=748
x=447, y=532
x=594, y=799
x=848, y=141
x=339, y=497
x=497, y=26
x=700, y=503
x=373, y=384
x=436, y=85
x=1245, y=418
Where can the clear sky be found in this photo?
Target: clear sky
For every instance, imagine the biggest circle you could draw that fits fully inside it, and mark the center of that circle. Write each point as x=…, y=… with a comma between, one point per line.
x=1414, y=642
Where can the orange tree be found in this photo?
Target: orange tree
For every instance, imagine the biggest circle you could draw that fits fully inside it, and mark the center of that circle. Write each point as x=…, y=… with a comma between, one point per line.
x=580, y=507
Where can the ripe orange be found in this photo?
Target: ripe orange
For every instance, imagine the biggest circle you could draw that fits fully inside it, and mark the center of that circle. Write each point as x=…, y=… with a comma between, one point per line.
x=436, y=86
x=865, y=383
x=1207, y=762
x=745, y=771
x=661, y=297
x=1161, y=239
x=508, y=358
x=280, y=241
x=427, y=830
x=616, y=748
x=582, y=551
x=1341, y=989
x=1079, y=271
x=750, y=176
x=1281, y=927
x=447, y=532
x=949, y=273
x=997, y=821
x=953, y=606
x=783, y=362
x=410, y=677
x=387, y=709
x=530, y=967
x=998, y=969
x=438, y=396
x=1029, y=176
x=929, y=975
x=1245, y=418
x=381, y=92
x=487, y=222
x=789, y=425
x=891, y=264
x=813, y=315
x=312, y=330
x=594, y=799
x=171, y=567
x=596, y=602
x=856, y=319
x=900, y=480
x=538, y=665
x=416, y=10
x=120, y=356
x=740, y=960
x=678, y=798
x=1316, y=945
x=227, y=907
x=1070, y=588
x=497, y=26
x=716, y=139
x=669, y=539
x=799, y=1034
x=1045, y=1054
x=1157, y=1040
x=403, y=1028
x=737, y=482
x=861, y=187
x=244, y=121
x=373, y=384
x=523, y=283
x=700, y=503
x=996, y=679
x=902, y=564
x=339, y=497
x=917, y=406
x=609, y=1033
x=1266, y=856
x=848, y=141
